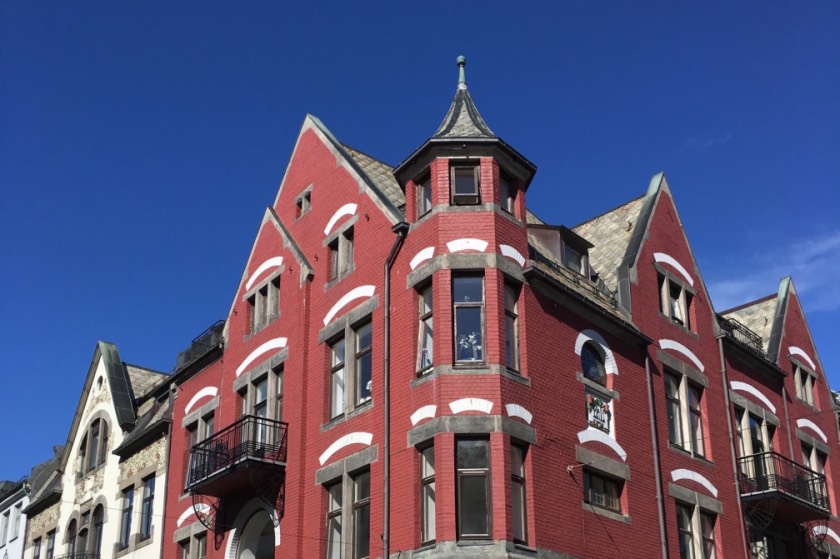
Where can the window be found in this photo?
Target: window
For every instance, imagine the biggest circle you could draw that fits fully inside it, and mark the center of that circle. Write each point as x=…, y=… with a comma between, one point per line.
x=507, y=194
x=675, y=301
x=4, y=527
x=425, y=343
x=278, y=393
x=358, y=372
x=335, y=499
x=71, y=538
x=93, y=449
x=341, y=255
x=349, y=527
x=685, y=419
x=805, y=381
x=465, y=184
x=201, y=545
x=602, y=491
x=472, y=459
x=424, y=196
x=50, y=544
x=592, y=363
x=468, y=314
x=755, y=437
x=303, y=203
x=696, y=533
x=15, y=521
x=184, y=547
x=573, y=259
x=197, y=464
x=427, y=495
x=337, y=378
x=36, y=548
x=814, y=460
x=98, y=524
x=511, y=327
x=148, y=502
x=264, y=305
x=125, y=526
x=361, y=515
x=517, y=487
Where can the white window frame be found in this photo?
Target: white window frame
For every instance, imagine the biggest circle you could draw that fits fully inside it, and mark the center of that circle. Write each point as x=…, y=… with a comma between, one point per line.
x=425, y=330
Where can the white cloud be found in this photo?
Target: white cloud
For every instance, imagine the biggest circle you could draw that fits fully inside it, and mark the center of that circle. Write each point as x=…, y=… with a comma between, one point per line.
x=814, y=265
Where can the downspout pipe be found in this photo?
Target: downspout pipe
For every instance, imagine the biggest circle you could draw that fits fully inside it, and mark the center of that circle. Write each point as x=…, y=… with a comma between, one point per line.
x=657, y=473
x=401, y=230
x=724, y=371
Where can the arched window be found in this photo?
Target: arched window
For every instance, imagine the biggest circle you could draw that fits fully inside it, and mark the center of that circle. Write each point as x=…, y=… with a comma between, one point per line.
x=98, y=522
x=93, y=449
x=71, y=537
x=592, y=363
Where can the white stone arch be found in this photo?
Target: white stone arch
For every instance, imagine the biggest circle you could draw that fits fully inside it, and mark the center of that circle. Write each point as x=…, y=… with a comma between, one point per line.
x=600, y=344
x=248, y=511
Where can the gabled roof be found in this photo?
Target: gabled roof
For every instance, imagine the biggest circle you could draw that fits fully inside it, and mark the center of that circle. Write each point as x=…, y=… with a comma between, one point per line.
x=463, y=119
x=610, y=234
x=380, y=173
x=757, y=316
x=45, y=483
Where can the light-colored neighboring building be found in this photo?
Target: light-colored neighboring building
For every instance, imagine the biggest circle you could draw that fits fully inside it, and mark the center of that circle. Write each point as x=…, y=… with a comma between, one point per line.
x=106, y=497
x=13, y=499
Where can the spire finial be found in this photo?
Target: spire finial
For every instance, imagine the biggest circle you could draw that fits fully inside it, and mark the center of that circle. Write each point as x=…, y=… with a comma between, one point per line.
x=462, y=78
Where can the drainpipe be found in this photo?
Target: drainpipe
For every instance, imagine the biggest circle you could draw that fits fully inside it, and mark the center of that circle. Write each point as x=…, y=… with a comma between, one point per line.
x=660, y=505
x=401, y=229
x=737, y=485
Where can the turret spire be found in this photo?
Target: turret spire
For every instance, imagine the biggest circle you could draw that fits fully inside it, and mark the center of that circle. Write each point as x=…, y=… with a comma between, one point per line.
x=462, y=120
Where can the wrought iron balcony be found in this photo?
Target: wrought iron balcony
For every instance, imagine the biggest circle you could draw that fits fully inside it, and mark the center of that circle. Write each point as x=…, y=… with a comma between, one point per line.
x=743, y=335
x=226, y=462
x=201, y=345
x=800, y=494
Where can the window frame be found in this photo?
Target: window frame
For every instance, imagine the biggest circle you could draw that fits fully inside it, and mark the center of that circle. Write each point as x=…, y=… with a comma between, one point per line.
x=463, y=168
x=683, y=303
x=425, y=330
x=428, y=506
x=697, y=526
x=51, y=544
x=147, y=507
x=805, y=384
x=344, y=511
x=361, y=512
x=341, y=254
x=507, y=193
x=425, y=195
x=511, y=296
x=464, y=473
x=348, y=370
x=126, y=512
x=462, y=341
x=682, y=408
x=593, y=480
x=593, y=350
x=518, y=488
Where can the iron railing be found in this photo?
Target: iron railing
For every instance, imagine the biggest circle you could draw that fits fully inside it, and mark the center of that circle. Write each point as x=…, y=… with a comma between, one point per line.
x=250, y=438
x=743, y=335
x=771, y=472
x=202, y=344
x=595, y=287
x=79, y=555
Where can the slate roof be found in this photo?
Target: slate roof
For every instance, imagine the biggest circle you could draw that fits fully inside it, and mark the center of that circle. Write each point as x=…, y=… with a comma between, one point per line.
x=380, y=173
x=142, y=382
x=610, y=234
x=463, y=119
x=757, y=316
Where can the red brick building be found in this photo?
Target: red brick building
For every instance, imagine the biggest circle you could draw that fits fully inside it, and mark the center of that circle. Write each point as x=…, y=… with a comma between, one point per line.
x=416, y=364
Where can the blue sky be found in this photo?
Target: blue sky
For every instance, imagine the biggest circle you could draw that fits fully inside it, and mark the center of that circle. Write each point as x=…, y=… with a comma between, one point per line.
x=141, y=141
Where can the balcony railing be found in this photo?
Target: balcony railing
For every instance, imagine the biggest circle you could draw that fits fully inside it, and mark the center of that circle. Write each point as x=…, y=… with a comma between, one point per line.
x=596, y=288
x=202, y=344
x=252, y=439
x=769, y=473
x=743, y=335
x=78, y=555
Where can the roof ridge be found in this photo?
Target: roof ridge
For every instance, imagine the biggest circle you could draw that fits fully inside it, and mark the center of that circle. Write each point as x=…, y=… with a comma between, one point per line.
x=749, y=304
x=369, y=156
x=607, y=212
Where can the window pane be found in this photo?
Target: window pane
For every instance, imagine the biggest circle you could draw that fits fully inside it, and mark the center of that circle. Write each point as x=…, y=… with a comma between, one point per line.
x=472, y=503
x=469, y=333
x=472, y=454
x=337, y=393
x=468, y=289
x=426, y=343
x=334, y=537
x=361, y=537
x=465, y=182
x=428, y=512
x=592, y=363
x=518, y=489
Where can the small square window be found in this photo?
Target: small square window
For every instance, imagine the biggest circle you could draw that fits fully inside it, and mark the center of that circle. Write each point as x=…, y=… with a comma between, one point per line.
x=264, y=305
x=465, y=185
x=303, y=203
x=602, y=491
x=341, y=255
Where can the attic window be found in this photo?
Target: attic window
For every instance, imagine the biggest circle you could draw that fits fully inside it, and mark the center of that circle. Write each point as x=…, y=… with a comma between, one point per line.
x=574, y=260
x=303, y=203
x=507, y=193
x=424, y=195
x=464, y=185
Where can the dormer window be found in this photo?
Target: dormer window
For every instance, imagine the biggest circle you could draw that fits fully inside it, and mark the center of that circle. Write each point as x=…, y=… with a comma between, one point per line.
x=465, y=185
x=574, y=260
x=303, y=203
